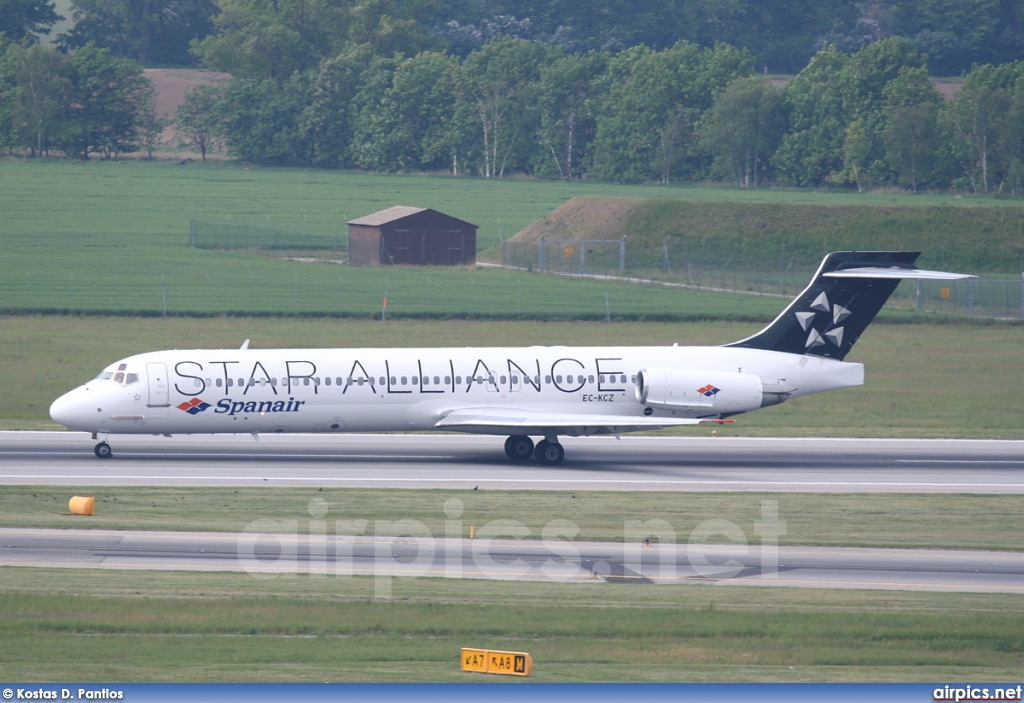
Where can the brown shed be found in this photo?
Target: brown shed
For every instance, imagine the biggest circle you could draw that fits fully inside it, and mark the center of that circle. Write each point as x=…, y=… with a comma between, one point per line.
x=411, y=235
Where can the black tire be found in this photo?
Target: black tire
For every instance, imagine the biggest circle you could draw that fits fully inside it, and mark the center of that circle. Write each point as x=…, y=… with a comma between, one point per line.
x=549, y=453
x=103, y=450
x=519, y=447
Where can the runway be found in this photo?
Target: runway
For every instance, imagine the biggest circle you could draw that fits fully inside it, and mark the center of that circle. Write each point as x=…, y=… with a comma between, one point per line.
x=384, y=557
x=465, y=461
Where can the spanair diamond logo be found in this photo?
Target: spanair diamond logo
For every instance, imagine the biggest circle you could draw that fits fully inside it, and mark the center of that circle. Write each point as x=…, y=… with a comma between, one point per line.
x=194, y=406
x=709, y=391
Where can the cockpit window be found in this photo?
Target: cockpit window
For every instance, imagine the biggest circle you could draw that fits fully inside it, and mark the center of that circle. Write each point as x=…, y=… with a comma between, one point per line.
x=121, y=376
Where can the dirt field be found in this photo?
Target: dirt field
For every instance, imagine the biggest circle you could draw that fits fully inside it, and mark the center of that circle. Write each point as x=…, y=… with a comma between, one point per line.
x=582, y=218
x=171, y=84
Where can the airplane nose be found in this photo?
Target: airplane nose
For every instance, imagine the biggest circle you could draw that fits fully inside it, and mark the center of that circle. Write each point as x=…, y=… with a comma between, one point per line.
x=63, y=410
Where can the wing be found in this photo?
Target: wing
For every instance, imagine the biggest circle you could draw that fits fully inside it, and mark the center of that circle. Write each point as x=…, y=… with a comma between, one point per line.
x=517, y=421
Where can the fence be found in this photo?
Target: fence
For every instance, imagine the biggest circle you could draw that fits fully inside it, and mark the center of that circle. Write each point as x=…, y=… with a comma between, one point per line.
x=263, y=233
x=750, y=270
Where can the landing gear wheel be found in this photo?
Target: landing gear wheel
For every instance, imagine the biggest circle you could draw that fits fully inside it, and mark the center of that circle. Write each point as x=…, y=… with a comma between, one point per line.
x=103, y=450
x=519, y=447
x=549, y=453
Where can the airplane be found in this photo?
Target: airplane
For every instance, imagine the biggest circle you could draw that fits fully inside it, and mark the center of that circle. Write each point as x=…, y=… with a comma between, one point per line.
x=521, y=392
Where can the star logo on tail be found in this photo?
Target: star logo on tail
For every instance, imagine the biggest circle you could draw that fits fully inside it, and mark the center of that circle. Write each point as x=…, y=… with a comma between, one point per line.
x=817, y=338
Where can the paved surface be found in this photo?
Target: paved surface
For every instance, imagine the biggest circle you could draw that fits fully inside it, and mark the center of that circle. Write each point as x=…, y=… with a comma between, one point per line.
x=272, y=554
x=464, y=461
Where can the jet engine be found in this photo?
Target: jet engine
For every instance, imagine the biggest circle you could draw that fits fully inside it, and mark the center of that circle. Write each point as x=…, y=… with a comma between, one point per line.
x=699, y=393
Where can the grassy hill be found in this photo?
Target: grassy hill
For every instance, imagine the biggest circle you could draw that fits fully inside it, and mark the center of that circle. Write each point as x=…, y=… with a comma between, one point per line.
x=784, y=235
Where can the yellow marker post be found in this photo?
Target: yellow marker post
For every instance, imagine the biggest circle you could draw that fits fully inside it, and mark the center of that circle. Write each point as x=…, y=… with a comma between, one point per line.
x=486, y=661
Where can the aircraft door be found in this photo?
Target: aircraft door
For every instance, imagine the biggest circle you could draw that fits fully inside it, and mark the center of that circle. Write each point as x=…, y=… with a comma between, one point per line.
x=159, y=396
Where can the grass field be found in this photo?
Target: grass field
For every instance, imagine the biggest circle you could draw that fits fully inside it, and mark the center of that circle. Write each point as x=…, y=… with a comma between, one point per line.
x=113, y=238
x=849, y=520
x=80, y=625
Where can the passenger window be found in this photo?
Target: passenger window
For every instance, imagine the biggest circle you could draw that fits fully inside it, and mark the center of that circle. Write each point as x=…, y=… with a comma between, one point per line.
x=590, y=378
x=447, y=380
x=437, y=380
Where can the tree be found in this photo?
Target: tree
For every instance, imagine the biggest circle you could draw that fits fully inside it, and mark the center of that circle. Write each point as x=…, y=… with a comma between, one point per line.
x=977, y=120
x=326, y=120
x=24, y=19
x=149, y=31
x=261, y=119
x=910, y=134
x=856, y=152
x=108, y=99
x=826, y=98
x=42, y=80
x=151, y=129
x=499, y=84
x=651, y=105
x=268, y=39
x=198, y=119
x=743, y=129
x=567, y=92
x=275, y=38
x=411, y=123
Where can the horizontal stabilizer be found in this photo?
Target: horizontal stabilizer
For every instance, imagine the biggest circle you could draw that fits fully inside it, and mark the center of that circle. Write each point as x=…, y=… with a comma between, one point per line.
x=897, y=273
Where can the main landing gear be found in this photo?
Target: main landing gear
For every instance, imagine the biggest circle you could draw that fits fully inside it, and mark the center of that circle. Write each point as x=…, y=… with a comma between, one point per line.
x=521, y=448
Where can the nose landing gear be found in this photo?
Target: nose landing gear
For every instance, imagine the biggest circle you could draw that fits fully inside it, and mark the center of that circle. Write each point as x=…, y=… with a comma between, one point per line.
x=103, y=451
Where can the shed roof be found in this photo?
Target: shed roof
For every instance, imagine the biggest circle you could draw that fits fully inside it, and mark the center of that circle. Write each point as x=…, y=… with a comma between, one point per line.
x=393, y=214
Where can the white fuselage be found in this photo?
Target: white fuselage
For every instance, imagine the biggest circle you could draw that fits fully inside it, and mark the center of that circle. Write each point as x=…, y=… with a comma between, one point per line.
x=347, y=390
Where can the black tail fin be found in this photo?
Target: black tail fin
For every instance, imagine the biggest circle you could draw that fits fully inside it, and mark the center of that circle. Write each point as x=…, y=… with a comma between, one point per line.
x=842, y=299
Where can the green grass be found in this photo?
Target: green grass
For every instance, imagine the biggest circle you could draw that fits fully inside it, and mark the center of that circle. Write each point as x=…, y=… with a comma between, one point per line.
x=921, y=380
x=68, y=625
x=854, y=520
x=777, y=235
x=113, y=237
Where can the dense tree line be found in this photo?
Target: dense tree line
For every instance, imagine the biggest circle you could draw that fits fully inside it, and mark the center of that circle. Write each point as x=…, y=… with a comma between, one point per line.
x=284, y=35
x=555, y=89
x=872, y=118
x=79, y=104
